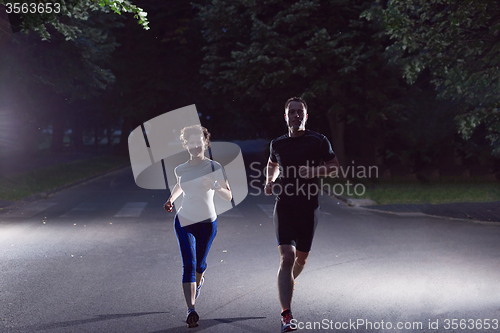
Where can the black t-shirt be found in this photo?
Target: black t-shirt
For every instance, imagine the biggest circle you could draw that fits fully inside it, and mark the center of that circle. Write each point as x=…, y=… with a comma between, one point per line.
x=309, y=149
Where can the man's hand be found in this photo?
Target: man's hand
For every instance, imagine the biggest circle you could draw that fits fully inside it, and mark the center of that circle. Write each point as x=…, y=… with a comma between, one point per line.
x=168, y=206
x=268, y=189
x=306, y=172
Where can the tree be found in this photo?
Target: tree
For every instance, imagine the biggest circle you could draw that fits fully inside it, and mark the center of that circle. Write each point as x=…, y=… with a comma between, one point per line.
x=167, y=75
x=263, y=52
x=48, y=79
x=458, y=42
x=36, y=16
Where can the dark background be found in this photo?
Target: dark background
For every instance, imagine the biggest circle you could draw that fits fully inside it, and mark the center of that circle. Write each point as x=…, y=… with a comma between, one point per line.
x=238, y=63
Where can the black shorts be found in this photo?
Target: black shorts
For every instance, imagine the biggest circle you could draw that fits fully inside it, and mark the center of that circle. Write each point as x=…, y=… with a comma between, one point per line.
x=295, y=225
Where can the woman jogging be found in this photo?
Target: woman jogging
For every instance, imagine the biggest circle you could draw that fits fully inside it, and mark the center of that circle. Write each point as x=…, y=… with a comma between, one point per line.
x=195, y=222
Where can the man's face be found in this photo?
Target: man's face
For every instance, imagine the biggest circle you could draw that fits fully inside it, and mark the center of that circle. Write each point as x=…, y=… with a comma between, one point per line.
x=296, y=116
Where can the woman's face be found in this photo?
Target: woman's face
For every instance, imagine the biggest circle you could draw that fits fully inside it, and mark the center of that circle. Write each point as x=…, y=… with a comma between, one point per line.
x=196, y=145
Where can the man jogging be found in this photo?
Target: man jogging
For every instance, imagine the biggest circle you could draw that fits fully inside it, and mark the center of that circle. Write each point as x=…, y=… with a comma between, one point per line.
x=298, y=158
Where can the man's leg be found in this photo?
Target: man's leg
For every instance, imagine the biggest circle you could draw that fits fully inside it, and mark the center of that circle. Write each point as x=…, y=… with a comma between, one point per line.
x=304, y=242
x=285, y=276
x=300, y=261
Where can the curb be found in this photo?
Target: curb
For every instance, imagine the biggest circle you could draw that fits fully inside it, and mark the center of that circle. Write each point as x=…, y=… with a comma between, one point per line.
x=45, y=195
x=361, y=204
x=355, y=202
x=415, y=214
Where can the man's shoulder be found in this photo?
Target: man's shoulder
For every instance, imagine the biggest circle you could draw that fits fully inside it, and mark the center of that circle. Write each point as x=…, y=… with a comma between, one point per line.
x=280, y=138
x=314, y=134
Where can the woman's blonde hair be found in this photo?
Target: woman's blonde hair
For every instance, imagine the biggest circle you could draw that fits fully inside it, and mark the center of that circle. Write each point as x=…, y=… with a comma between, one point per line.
x=186, y=132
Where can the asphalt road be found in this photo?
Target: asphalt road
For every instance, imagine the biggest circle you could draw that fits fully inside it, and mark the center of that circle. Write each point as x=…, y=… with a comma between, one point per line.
x=103, y=257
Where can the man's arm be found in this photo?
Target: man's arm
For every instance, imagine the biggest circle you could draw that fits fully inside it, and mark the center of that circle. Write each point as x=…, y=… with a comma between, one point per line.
x=329, y=169
x=332, y=168
x=272, y=172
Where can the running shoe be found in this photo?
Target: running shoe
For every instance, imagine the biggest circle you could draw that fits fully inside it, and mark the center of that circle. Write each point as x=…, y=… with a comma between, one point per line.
x=192, y=318
x=198, y=288
x=286, y=325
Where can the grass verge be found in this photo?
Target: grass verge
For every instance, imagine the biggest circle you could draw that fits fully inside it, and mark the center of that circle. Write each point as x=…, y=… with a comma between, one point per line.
x=414, y=192
x=19, y=186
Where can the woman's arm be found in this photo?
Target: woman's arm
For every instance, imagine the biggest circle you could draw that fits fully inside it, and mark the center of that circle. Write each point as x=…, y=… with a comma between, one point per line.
x=223, y=191
x=176, y=191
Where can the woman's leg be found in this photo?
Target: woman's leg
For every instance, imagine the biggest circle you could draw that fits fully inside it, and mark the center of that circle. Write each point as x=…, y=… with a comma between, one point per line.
x=187, y=244
x=205, y=235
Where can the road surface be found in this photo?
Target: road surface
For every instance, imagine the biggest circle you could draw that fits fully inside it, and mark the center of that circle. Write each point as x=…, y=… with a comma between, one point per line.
x=103, y=257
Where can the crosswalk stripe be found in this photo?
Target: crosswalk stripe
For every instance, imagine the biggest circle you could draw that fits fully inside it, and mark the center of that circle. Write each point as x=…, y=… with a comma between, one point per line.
x=131, y=209
x=29, y=210
x=233, y=212
x=82, y=208
x=267, y=209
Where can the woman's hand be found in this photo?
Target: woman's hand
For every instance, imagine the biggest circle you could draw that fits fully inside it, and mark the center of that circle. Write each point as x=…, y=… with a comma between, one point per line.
x=168, y=206
x=207, y=183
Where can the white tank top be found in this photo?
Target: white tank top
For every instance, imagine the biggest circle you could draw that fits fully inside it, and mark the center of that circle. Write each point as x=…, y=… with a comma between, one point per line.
x=198, y=201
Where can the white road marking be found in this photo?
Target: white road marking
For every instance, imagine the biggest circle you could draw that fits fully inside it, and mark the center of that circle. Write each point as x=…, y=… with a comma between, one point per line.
x=267, y=209
x=233, y=212
x=131, y=209
x=28, y=210
x=81, y=209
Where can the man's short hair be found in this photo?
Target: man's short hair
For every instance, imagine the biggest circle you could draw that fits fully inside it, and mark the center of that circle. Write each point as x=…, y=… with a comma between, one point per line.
x=295, y=99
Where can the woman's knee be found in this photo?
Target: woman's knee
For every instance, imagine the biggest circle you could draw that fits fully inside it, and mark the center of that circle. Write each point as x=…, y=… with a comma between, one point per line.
x=189, y=274
x=201, y=268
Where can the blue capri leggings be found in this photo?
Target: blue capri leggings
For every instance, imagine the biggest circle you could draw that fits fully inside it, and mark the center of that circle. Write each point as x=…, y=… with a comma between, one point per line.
x=194, y=242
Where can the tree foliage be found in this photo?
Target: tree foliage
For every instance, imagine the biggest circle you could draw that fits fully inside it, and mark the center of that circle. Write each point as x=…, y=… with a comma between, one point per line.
x=257, y=45
x=264, y=51
x=60, y=13
x=49, y=82
x=76, y=70
x=158, y=71
x=458, y=42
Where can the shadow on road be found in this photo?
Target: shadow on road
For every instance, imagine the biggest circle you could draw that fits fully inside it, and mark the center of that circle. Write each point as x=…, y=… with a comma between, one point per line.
x=41, y=327
x=207, y=323
x=204, y=324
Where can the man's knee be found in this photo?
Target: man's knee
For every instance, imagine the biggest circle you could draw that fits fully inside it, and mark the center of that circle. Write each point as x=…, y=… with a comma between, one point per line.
x=287, y=257
x=301, y=257
x=301, y=262
x=287, y=260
